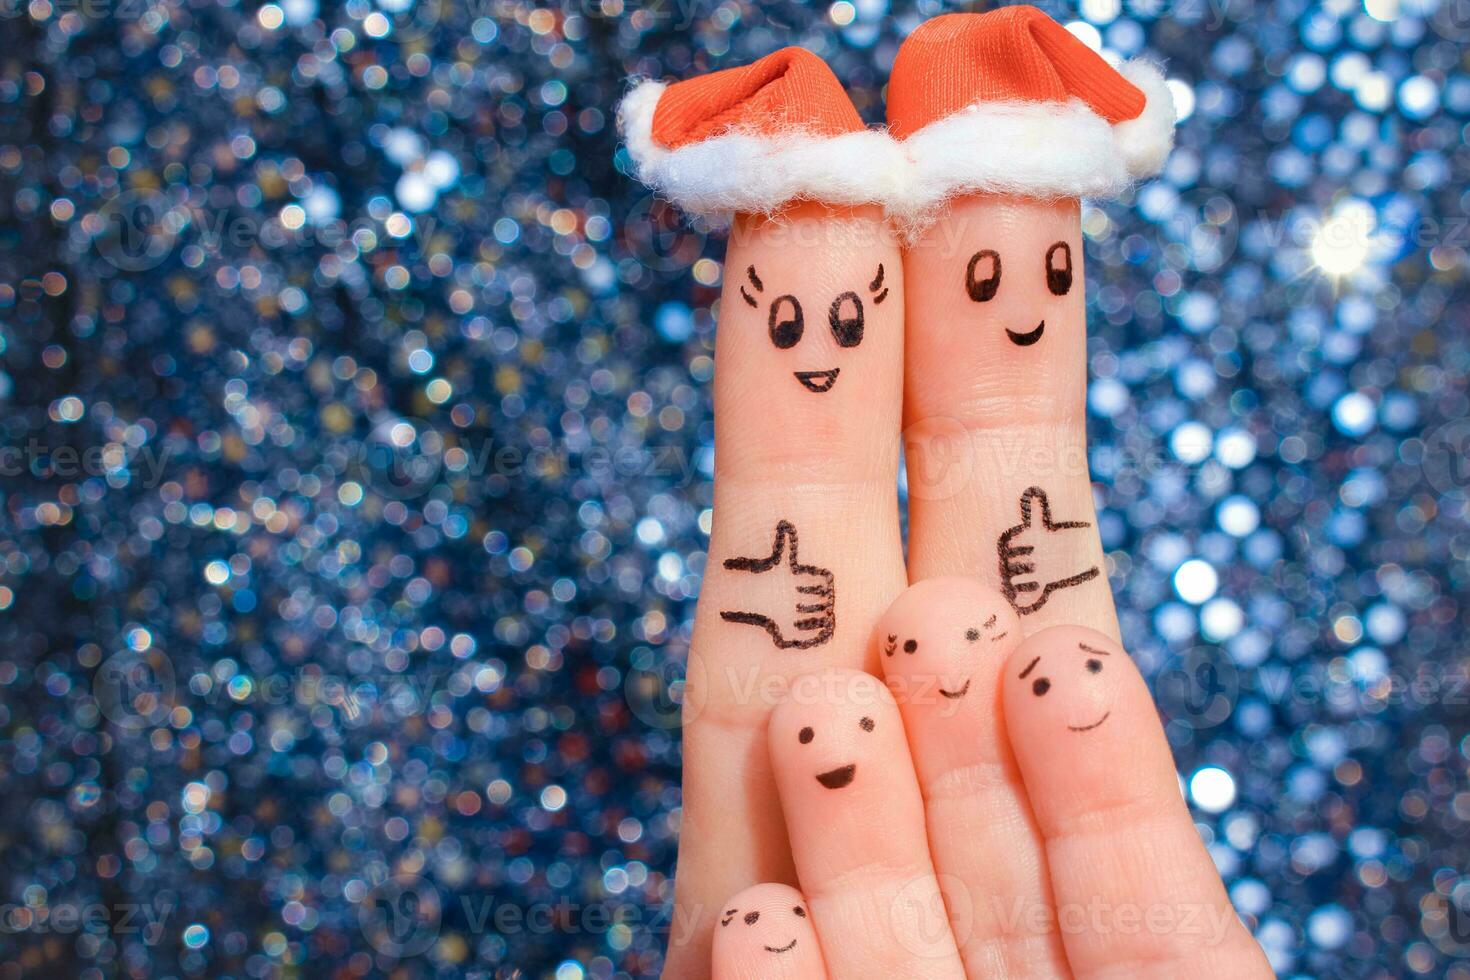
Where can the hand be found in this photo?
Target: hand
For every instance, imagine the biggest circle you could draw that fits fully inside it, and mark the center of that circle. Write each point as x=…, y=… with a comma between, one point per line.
x=987, y=819
x=805, y=597
x=1007, y=807
x=1027, y=567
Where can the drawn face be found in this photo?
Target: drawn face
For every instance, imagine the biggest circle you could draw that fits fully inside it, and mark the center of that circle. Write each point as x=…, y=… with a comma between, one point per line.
x=841, y=775
x=985, y=278
x=776, y=931
x=976, y=641
x=786, y=318
x=1067, y=670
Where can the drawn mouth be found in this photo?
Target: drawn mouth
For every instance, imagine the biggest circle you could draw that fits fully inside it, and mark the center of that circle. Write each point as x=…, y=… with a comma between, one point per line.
x=782, y=949
x=1088, y=728
x=837, y=778
x=956, y=694
x=1027, y=339
x=818, y=381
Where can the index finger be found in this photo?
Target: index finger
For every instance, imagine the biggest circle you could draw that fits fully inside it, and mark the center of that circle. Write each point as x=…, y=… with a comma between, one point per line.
x=805, y=552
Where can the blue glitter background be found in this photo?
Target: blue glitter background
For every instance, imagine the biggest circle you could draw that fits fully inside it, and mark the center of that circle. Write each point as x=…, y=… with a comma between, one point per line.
x=355, y=439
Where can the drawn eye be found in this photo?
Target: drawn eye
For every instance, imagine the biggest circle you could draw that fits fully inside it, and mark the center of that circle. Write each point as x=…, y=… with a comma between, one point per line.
x=800, y=912
x=846, y=318
x=972, y=634
x=751, y=917
x=805, y=735
x=982, y=278
x=786, y=322
x=866, y=724
x=1059, y=268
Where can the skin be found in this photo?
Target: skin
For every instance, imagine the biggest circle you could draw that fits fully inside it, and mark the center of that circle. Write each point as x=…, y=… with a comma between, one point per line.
x=987, y=418
x=1136, y=892
x=950, y=638
x=765, y=932
x=874, y=895
x=999, y=832
x=1127, y=889
x=824, y=463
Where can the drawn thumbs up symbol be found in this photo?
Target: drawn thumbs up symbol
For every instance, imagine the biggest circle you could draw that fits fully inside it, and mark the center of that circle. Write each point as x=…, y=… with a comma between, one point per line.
x=1035, y=540
x=804, y=603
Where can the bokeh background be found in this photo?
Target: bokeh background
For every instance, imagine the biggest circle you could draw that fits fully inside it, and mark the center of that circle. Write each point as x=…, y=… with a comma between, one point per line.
x=355, y=445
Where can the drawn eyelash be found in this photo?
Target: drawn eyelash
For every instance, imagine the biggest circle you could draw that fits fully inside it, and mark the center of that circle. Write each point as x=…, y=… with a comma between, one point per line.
x=876, y=284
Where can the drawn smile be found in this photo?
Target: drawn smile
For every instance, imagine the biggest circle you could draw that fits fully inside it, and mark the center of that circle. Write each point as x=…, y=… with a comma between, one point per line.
x=820, y=381
x=781, y=949
x=1088, y=728
x=956, y=694
x=1027, y=339
x=837, y=778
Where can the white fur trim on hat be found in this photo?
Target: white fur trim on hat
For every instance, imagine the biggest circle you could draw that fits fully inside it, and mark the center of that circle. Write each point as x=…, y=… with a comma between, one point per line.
x=741, y=171
x=1036, y=149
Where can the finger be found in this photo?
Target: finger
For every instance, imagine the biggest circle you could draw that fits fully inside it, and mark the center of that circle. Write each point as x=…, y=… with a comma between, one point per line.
x=1136, y=893
x=805, y=551
x=1014, y=505
x=944, y=644
x=856, y=821
x=765, y=933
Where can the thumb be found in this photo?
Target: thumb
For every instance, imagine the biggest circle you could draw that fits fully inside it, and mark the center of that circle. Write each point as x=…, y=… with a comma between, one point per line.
x=1037, y=496
x=785, y=539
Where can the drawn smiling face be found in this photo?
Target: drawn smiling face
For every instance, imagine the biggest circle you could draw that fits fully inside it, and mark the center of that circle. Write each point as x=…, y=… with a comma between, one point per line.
x=773, y=930
x=945, y=634
x=989, y=631
x=786, y=319
x=840, y=776
x=983, y=283
x=1089, y=667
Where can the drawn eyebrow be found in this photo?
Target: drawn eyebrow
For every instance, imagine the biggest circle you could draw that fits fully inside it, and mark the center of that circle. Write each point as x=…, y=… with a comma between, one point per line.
x=991, y=621
x=1029, y=667
x=877, y=282
x=755, y=281
x=1088, y=649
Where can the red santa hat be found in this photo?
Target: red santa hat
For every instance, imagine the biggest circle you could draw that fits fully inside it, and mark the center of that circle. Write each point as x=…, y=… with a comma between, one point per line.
x=1012, y=102
x=754, y=138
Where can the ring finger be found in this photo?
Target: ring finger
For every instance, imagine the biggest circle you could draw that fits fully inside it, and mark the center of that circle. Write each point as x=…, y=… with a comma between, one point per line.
x=856, y=824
